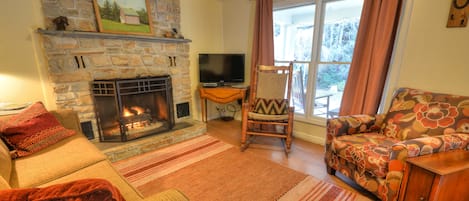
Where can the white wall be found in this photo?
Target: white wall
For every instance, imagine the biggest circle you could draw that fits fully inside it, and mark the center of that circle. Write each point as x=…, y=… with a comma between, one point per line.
x=429, y=55
x=22, y=74
x=216, y=26
x=201, y=21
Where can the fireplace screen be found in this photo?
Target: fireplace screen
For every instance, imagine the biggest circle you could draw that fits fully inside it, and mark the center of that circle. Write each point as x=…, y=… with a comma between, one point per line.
x=131, y=108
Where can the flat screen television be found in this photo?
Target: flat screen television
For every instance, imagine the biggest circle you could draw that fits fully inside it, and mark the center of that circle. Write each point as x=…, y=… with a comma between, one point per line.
x=221, y=69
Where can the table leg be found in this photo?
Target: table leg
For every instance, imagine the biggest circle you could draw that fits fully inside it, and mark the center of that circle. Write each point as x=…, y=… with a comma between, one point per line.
x=203, y=103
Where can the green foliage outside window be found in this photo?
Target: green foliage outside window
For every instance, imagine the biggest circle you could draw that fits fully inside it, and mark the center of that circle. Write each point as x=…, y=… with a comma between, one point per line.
x=337, y=46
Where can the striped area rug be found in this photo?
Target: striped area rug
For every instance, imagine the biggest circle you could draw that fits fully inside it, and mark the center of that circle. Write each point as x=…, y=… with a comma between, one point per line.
x=205, y=168
x=141, y=169
x=313, y=189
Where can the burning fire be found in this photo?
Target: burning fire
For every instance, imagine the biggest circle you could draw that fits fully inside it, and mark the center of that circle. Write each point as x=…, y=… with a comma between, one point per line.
x=132, y=111
x=135, y=117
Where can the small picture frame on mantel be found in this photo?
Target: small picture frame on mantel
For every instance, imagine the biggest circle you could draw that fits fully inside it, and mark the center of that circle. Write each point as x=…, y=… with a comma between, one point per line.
x=124, y=16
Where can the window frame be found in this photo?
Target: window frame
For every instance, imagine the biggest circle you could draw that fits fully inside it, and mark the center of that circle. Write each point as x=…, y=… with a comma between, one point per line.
x=313, y=65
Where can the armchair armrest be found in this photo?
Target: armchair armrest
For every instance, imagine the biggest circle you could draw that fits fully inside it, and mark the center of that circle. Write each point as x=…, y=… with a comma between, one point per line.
x=353, y=124
x=428, y=145
x=418, y=147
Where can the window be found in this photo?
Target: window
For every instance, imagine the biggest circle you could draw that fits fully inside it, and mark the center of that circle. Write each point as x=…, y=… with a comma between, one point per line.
x=319, y=38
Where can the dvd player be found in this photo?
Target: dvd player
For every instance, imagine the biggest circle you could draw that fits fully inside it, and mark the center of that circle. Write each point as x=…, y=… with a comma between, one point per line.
x=210, y=84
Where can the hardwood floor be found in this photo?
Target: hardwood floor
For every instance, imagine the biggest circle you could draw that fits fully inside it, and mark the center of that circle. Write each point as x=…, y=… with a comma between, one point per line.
x=305, y=156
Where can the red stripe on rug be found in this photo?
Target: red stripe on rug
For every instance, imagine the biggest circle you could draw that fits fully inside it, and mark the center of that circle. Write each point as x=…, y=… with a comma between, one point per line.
x=315, y=191
x=331, y=194
x=129, y=174
x=141, y=169
x=130, y=164
x=324, y=191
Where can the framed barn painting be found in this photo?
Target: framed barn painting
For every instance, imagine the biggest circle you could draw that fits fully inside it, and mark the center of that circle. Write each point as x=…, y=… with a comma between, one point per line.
x=124, y=16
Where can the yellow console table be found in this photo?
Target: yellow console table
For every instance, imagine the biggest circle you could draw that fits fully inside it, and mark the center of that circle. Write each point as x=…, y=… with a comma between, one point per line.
x=219, y=95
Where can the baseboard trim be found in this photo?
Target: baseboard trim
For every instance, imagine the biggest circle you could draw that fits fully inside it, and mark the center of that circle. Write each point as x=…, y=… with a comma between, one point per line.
x=309, y=138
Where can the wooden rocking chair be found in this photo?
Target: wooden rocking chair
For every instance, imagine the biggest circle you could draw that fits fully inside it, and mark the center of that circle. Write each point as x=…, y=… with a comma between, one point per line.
x=268, y=112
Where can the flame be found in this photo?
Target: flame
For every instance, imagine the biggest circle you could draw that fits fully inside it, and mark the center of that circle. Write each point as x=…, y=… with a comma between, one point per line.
x=133, y=110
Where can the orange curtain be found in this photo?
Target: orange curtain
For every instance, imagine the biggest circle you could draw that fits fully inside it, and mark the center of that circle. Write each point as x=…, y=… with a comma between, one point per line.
x=263, y=39
x=372, y=54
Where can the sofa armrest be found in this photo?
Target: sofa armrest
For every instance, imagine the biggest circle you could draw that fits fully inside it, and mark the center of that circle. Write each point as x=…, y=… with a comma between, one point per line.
x=68, y=118
x=167, y=195
x=353, y=124
x=418, y=147
x=428, y=145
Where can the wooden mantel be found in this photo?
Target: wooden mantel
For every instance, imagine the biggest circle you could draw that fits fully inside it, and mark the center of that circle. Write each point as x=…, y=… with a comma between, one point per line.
x=88, y=34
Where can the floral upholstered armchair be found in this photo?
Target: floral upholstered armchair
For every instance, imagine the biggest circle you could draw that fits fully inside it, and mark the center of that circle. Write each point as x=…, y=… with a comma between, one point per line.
x=372, y=149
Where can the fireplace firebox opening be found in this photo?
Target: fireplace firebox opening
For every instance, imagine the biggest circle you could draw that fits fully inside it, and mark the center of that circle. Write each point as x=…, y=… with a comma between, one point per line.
x=128, y=109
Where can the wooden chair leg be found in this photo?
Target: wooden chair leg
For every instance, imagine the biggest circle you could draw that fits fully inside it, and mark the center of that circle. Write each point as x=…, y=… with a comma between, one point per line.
x=244, y=128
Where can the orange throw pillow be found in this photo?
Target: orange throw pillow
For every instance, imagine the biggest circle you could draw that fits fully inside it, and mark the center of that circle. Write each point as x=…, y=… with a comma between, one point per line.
x=79, y=190
x=32, y=130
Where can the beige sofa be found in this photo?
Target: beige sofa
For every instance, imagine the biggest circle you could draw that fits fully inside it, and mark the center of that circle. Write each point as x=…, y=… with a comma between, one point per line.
x=70, y=159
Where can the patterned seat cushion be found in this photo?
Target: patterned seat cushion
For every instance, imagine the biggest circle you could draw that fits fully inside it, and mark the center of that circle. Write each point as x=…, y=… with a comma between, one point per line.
x=271, y=106
x=370, y=151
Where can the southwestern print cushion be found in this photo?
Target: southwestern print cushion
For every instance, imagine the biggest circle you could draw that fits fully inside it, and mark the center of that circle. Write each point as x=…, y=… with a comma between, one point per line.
x=32, y=130
x=271, y=106
x=416, y=113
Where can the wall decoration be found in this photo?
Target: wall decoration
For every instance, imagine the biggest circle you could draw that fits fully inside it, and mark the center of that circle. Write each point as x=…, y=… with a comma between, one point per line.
x=458, y=13
x=124, y=16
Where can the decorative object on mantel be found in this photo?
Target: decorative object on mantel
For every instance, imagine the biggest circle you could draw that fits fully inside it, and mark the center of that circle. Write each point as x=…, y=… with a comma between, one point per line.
x=458, y=13
x=60, y=23
x=173, y=34
x=124, y=17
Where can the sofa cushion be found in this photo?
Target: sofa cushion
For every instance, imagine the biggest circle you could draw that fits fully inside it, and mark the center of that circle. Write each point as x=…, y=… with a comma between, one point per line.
x=84, y=189
x=103, y=170
x=416, y=113
x=33, y=130
x=5, y=162
x=370, y=151
x=4, y=184
x=58, y=160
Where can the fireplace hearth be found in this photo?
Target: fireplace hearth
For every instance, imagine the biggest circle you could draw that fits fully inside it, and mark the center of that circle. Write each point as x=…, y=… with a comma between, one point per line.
x=128, y=109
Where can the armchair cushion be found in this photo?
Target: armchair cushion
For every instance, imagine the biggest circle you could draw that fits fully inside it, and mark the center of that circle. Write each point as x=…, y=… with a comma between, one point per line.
x=370, y=152
x=416, y=113
x=271, y=106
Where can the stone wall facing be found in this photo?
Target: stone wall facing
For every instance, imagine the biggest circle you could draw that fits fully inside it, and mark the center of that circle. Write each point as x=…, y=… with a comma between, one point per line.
x=74, y=62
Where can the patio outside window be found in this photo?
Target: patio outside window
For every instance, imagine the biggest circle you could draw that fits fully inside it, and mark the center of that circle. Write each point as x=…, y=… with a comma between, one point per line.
x=319, y=37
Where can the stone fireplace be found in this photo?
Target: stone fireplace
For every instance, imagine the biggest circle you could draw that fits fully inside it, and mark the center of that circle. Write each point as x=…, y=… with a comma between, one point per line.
x=79, y=56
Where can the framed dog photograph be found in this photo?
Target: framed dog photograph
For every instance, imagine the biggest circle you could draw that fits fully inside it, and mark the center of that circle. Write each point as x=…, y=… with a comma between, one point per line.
x=124, y=16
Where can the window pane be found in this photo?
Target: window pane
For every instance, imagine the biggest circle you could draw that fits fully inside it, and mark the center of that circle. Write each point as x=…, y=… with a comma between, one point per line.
x=299, y=80
x=340, y=30
x=293, y=33
x=329, y=89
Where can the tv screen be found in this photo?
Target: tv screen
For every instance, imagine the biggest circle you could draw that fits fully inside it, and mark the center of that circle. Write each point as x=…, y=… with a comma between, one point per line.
x=221, y=68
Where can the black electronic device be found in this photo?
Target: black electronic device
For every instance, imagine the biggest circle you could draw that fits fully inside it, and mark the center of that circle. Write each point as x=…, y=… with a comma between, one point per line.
x=221, y=69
